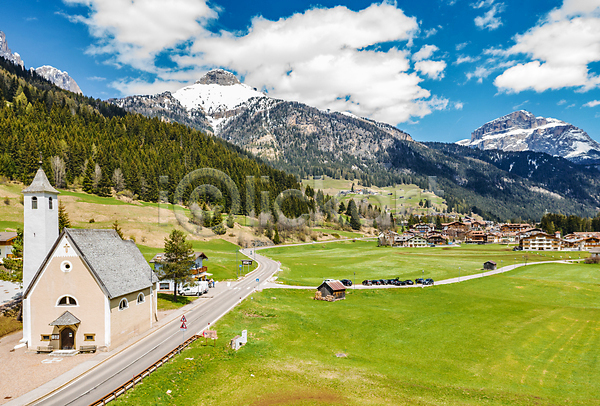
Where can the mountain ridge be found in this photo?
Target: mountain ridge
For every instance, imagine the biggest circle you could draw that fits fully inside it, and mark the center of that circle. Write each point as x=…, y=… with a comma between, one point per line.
x=523, y=131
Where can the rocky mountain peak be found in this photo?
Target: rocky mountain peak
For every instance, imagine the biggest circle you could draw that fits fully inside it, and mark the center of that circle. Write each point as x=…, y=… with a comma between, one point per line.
x=7, y=53
x=59, y=78
x=218, y=77
x=523, y=131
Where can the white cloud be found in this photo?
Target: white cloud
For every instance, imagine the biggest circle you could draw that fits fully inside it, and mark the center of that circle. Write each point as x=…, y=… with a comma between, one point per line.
x=430, y=32
x=592, y=103
x=96, y=78
x=465, y=59
x=458, y=105
x=518, y=106
x=490, y=20
x=482, y=3
x=134, y=32
x=561, y=47
x=461, y=46
x=432, y=69
x=327, y=58
x=425, y=52
x=561, y=102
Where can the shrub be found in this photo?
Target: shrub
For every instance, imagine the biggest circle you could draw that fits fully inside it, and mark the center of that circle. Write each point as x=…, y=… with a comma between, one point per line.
x=92, y=221
x=595, y=260
x=219, y=229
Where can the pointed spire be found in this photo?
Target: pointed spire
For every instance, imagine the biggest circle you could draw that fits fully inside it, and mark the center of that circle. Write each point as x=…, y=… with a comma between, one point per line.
x=40, y=184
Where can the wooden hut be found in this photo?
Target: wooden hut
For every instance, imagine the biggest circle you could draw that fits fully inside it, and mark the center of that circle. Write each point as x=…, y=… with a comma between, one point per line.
x=331, y=291
x=489, y=265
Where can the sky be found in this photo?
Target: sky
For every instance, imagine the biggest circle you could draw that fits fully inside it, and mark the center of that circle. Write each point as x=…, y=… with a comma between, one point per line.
x=435, y=69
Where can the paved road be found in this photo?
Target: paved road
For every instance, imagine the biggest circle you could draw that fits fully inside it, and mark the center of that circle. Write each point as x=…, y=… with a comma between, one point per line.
x=116, y=370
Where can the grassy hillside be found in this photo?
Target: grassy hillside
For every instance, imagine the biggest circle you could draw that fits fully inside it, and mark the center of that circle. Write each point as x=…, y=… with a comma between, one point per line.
x=529, y=337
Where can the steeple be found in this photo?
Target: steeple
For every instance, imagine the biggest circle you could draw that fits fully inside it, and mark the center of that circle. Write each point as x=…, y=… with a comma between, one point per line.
x=40, y=228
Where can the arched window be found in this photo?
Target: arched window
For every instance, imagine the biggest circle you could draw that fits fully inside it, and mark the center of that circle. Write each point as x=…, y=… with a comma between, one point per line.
x=50, y=203
x=141, y=298
x=67, y=301
x=124, y=304
x=34, y=203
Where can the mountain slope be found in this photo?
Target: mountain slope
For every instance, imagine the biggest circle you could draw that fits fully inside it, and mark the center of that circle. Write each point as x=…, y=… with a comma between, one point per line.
x=7, y=54
x=522, y=131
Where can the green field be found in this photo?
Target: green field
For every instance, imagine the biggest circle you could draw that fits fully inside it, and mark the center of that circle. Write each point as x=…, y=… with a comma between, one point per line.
x=526, y=337
x=168, y=302
x=221, y=257
x=310, y=264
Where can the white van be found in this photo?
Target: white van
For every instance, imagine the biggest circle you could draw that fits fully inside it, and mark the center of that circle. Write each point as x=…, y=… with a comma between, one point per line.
x=200, y=288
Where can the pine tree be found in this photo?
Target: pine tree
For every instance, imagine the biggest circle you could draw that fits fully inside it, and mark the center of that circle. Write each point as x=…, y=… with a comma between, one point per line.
x=63, y=218
x=117, y=228
x=14, y=265
x=276, y=238
x=178, y=260
x=88, y=177
x=354, y=217
x=342, y=208
x=104, y=185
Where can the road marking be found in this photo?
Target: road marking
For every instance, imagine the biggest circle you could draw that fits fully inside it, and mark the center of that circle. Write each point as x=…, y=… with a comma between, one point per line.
x=51, y=360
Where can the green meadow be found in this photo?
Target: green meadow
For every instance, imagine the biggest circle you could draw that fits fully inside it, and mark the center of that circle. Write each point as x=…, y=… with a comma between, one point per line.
x=526, y=337
x=309, y=264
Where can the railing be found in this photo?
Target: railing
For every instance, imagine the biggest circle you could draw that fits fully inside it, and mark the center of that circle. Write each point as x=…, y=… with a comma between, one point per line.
x=130, y=384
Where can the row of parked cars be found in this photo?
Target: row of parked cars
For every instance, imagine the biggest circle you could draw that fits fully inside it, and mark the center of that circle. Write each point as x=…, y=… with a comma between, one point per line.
x=397, y=282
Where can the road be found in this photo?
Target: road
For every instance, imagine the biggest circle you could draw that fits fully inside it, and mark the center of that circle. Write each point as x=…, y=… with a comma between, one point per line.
x=118, y=369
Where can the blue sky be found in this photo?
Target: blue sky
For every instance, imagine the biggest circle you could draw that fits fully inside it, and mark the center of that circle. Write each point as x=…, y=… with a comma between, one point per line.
x=436, y=69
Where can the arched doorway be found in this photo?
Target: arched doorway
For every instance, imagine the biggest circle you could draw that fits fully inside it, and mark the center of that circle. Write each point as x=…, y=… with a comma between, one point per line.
x=67, y=339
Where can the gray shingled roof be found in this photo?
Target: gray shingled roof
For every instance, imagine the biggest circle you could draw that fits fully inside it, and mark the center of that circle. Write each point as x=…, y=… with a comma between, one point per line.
x=40, y=184
x=7, y=236
x=118, y=264
x=65, y=319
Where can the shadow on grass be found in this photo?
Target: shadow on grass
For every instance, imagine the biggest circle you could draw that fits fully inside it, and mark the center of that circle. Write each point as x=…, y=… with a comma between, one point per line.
x=168, y=301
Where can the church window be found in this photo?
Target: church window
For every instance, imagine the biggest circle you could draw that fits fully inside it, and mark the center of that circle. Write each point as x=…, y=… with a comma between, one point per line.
x=141, y=298
x=90, y=337
x=66, y=266
x=67, y=301
x=45, y=337
x=124, y=304
x=50, y=203
x=34, y=203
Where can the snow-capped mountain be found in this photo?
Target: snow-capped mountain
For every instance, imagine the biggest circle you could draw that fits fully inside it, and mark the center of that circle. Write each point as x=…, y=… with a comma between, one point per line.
x=59, y=78
x=522, y=131
x=268, y=127
x=7, y=53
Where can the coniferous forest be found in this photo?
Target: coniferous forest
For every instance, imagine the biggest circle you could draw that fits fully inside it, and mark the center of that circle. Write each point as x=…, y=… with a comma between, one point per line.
x=88, y=143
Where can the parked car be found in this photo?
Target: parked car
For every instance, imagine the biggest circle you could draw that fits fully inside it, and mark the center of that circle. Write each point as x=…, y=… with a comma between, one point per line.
x=367, y=282
x=428, y=281
x=197, y=289
x=419, y=280
x=346, y=282
x=390, y=281
x=401, y=283
x=517, y=248
x=409, y=282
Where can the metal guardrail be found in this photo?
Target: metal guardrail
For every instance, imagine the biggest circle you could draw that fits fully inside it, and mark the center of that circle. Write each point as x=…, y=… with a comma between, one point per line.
x=130, y=384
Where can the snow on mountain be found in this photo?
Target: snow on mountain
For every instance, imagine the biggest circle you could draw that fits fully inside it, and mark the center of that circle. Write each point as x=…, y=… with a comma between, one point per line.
x=7, y=53
x=59, y=78
x=522, y=131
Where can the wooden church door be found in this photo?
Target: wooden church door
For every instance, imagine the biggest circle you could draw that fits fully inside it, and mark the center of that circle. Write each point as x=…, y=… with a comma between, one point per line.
x=67, y=339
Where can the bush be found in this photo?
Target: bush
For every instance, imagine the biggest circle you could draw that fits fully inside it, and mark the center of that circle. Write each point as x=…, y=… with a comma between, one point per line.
x=219, y=229
x=7, y=201
x=92, y=221
x=595, y=260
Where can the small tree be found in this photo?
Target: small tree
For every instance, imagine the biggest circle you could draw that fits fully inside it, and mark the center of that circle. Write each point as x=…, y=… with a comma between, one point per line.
x=276, y=238
x=342, y=208
x=230, y=221
x=178, y=260
x=63, y=218
x=14, y=265
x=117, y=228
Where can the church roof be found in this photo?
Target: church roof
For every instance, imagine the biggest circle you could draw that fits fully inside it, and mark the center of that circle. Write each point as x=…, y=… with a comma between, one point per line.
x=118, y=264
x=65, y=319
x=40, y=184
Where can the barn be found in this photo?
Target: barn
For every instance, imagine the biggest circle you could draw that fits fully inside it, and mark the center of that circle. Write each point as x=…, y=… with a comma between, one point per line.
x=335, y=289
x=489, y=265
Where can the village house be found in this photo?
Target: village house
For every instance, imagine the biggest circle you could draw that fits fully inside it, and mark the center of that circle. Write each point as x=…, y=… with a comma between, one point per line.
x=82, y=288
x=489, y=265
x=437, y=239
x=198, y=270
x=476, y=237
x=514, y=227
x=6, y=244
x=456, y=229
x=331, y=290
x=423, y=228
x=417, y=241
x=541, y=242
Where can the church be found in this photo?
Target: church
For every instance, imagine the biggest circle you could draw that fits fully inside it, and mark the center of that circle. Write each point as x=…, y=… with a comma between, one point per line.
x=82, y=288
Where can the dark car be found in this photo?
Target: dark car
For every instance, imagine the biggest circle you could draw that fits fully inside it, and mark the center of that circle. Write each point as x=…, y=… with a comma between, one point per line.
x=428, y=281
x=346, y=282
x=409, y=282
x=367, y=282
x=390, y=281
x=401, y=283
x=517, y=248
x=419, y=280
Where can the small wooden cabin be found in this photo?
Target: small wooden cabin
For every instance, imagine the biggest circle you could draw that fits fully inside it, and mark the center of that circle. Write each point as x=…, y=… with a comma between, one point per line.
x=489, y=265
x=335, y=289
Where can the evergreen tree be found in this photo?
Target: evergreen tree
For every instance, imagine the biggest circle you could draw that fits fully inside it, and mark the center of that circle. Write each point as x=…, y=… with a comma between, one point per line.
x=178, y=260
x=342, y=208
x=88, y=177
x=104, y=185
x=63, y=217
x=230, y=220
x=351, y=206
x=14, y=265
x=117, y=228
x=354, y=216
x=276, y=238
